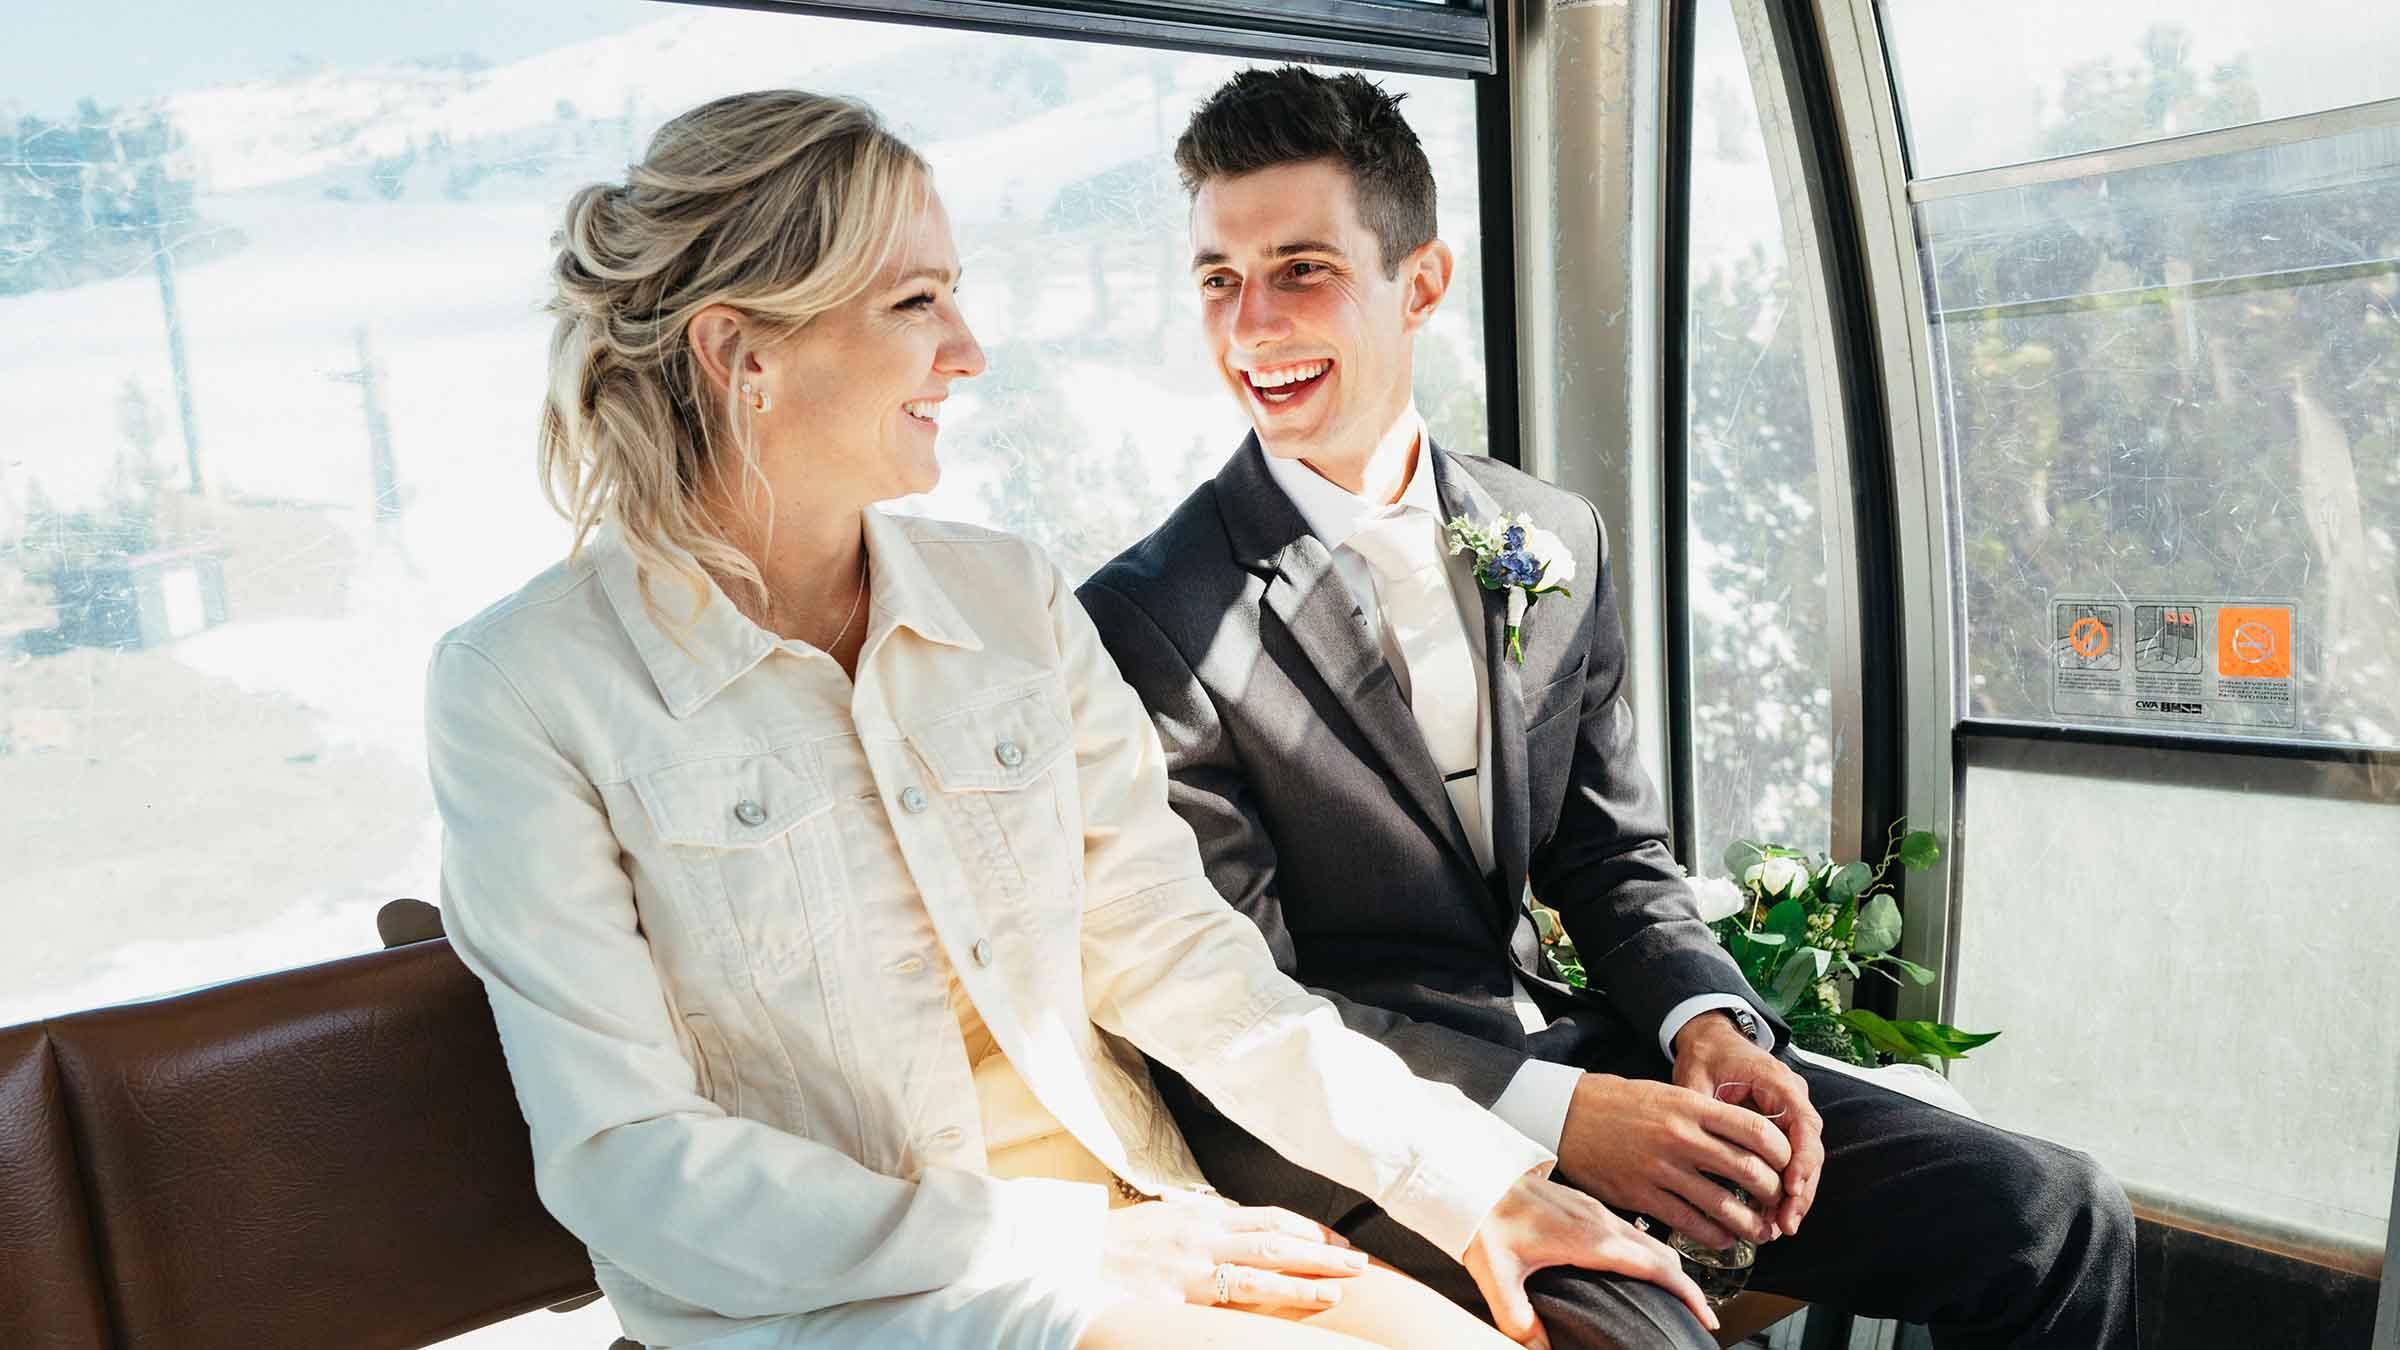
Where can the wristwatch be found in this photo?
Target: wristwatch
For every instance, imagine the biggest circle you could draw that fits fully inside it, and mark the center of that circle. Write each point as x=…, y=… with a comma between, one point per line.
x=1743, y=1018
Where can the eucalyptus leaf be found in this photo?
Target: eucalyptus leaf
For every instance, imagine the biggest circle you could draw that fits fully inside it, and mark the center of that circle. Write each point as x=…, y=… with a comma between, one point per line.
x=1801, y=969
x=1740, y=856
x=1878, y=927
x=1911, y=969
x=1849, y=879
x=1790, y=919
x=1757, y=954
x=1779, y=998
x=1920, y=849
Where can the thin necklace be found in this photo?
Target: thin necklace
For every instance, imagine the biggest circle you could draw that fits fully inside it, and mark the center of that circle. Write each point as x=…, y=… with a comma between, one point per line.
x=855, y=598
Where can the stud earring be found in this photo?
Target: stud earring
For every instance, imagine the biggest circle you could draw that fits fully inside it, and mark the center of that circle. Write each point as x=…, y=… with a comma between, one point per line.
x=759, y=402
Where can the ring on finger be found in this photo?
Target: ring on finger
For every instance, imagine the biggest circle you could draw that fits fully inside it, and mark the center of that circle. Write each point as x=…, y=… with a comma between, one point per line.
x=1224, y=1278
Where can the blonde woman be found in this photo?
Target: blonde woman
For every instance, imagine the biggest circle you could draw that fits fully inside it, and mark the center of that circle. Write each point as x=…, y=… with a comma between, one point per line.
x=819, y=865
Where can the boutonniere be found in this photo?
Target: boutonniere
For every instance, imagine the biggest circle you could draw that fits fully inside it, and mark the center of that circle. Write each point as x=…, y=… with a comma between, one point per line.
x=1513, y=555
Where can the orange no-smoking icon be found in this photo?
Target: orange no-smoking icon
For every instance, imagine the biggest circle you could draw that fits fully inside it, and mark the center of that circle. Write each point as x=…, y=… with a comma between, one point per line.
x=2089, y=637
x=2254, y=642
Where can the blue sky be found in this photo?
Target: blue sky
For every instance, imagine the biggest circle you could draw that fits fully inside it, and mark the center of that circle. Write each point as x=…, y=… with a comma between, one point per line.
x=58, y=51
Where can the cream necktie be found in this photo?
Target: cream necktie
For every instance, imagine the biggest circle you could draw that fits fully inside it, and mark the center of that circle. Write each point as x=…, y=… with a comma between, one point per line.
x=1412, y=588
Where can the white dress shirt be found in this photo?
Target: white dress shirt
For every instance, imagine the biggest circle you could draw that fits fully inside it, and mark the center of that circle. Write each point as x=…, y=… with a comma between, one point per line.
x=1398, y=479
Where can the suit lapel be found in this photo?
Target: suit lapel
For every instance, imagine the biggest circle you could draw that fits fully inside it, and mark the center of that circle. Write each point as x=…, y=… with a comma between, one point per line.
x=1315, y=606
x=1511, y=802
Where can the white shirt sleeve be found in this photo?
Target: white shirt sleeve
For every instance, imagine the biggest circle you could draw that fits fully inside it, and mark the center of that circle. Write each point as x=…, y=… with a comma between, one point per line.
x=1535, y=1102
x=1680, y=1016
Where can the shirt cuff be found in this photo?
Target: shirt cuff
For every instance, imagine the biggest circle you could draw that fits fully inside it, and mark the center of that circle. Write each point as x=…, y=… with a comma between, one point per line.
x=1682, y=1013
x=1536, y=1100
x=1040, y=1227
x=1455, y=1184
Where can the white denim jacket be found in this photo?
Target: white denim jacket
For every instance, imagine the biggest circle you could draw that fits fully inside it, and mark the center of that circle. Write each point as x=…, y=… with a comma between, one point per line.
x=711, y=889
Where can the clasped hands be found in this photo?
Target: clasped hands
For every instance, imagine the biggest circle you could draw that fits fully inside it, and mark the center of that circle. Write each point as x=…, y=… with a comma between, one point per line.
x=1653, y=1148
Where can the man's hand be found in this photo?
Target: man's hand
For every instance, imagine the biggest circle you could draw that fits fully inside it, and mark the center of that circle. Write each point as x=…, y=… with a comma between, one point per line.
x=1644, y=1146
x=1712, y=1053
x=1539, y=1224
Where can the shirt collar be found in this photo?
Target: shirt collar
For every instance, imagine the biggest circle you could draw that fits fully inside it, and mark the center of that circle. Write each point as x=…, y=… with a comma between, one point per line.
x=907, y=594
x=1333, y=512
x=692, y=664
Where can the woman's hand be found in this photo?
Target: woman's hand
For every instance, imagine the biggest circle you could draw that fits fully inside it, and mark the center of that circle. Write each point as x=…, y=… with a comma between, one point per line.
x=1539, y=1224
x=1274, y=1258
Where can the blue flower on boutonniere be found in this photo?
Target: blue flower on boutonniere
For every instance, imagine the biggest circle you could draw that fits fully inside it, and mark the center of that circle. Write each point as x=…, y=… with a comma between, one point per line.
x=1513, y=555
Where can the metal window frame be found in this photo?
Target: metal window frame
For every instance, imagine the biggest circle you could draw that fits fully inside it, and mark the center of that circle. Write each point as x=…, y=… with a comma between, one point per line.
x=1496, y=189
x=1897, y=342
x=1793, y=83
x=2380, y=115
x=2387, y=1304
x=1591, y=312
x=1681, y=22
x=1450, y=38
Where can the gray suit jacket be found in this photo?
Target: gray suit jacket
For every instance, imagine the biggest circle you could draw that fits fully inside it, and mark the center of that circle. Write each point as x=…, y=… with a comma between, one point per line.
x=1321, y=815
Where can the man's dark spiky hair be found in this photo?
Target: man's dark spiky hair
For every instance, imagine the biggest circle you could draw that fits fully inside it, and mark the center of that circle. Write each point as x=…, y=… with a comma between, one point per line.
x=1263, y=118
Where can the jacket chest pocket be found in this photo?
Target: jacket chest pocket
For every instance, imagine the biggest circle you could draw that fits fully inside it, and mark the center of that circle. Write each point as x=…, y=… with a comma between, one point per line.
x=1005, y=769
x=748, y=833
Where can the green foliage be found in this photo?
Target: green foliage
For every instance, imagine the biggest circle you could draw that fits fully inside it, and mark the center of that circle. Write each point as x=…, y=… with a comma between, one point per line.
x=1915, y=1040
x=1850, y=880
x=1805, y=928
x=1878, y=927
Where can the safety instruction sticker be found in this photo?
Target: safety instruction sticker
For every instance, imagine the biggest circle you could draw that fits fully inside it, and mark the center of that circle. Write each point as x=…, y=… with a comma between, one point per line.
x=2216, y=663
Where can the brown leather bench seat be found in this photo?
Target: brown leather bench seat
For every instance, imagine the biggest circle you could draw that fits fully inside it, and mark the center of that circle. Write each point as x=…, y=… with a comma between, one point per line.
x=330, y=1156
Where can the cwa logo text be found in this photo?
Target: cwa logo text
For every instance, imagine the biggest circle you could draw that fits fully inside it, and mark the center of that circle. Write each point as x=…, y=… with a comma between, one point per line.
x=2152, y=705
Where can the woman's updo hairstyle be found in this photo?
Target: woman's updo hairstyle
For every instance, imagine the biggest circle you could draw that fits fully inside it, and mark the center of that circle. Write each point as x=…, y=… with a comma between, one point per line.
x=781, y=204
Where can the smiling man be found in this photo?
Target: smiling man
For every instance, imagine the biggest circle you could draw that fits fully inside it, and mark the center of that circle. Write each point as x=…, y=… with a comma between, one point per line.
x=1376, y=774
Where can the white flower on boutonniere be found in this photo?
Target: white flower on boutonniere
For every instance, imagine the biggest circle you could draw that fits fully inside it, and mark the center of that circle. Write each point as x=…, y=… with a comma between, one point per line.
x=1514, y=555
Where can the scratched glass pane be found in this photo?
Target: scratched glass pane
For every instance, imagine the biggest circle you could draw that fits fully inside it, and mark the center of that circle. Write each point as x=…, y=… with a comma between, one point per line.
x=1986, y=85
x=1762, y=663
x=2122, y=932
x=2181, y=381
x=270, y=348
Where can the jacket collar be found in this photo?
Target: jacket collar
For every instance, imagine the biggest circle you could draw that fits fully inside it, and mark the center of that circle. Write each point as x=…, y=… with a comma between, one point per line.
x=1512, y=812
x=1269, y=535
x=692, y=664
x=907, y=593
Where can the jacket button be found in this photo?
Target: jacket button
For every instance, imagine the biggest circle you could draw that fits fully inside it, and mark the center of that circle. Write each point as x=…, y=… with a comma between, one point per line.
x=982, y=951
x=1011, y=754
x=912, y=800
x=750, y=813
